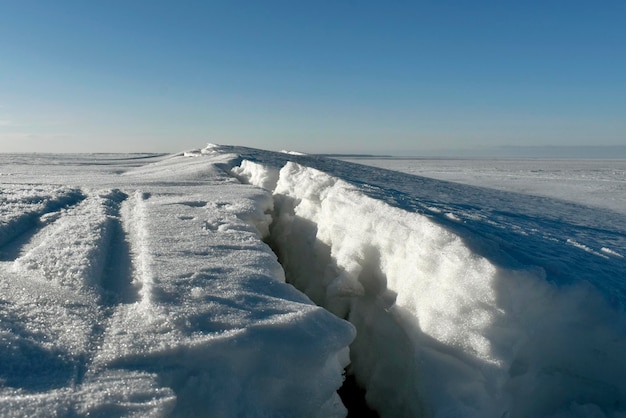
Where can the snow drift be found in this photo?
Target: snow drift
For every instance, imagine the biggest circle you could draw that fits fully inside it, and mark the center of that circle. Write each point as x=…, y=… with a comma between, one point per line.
x=442, y=330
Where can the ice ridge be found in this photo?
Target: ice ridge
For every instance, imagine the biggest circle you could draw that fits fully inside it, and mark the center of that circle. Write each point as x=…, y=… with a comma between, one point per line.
x=442, y=330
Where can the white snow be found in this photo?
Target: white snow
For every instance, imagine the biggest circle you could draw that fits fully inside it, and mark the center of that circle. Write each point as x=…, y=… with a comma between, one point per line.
x=292, y=152
x=141, y=285
x=157, y=298
x=441, y=329
x=600, y=183
x=611, y=252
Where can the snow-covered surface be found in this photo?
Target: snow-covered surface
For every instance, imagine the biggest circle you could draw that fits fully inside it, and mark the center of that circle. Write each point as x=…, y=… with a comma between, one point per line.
x=600, y=183
x=139, y=285
x=467, y=301
x=136, y=286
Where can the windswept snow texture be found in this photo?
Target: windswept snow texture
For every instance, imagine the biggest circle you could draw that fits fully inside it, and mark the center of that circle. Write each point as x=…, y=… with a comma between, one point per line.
x=599, y=183
x=141, y=285
x=468, y=302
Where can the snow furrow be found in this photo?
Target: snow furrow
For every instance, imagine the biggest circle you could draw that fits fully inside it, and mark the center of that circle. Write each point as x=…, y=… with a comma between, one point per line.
x=118, y=276
x=73, y=255
x=24, y=212
x=69, y=272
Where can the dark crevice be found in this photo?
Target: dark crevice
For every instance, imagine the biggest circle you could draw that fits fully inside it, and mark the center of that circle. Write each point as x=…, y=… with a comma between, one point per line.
x=117, y=274
x=351, y=393
x=315, y=263
x=117, y=280
x=353, y=398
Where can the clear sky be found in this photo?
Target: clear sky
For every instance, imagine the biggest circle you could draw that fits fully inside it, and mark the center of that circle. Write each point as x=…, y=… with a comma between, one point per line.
x=394, y=77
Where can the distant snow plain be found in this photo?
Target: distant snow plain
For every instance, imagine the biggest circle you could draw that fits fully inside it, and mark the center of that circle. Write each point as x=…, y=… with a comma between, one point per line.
x=150, y=285
x=592, y=182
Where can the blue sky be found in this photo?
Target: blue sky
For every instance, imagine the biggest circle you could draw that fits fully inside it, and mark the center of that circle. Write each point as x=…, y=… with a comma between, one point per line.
x=399, y=77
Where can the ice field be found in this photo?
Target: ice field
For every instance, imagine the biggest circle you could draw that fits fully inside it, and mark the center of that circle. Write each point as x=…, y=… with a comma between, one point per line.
x=592, y=182
x=150, y=285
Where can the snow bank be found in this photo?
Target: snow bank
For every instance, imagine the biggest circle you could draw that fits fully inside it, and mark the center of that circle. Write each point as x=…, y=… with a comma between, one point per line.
x=157, y=298
x=227, y=335
x=441, y=330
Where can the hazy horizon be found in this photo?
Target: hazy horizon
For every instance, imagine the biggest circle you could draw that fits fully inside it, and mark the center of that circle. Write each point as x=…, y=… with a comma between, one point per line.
x=504, y=152
x=323, y=77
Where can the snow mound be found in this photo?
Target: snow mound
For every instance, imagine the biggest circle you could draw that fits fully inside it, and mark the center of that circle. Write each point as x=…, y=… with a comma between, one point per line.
x=257, y=174
x=210, y=149
x=442, y=330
